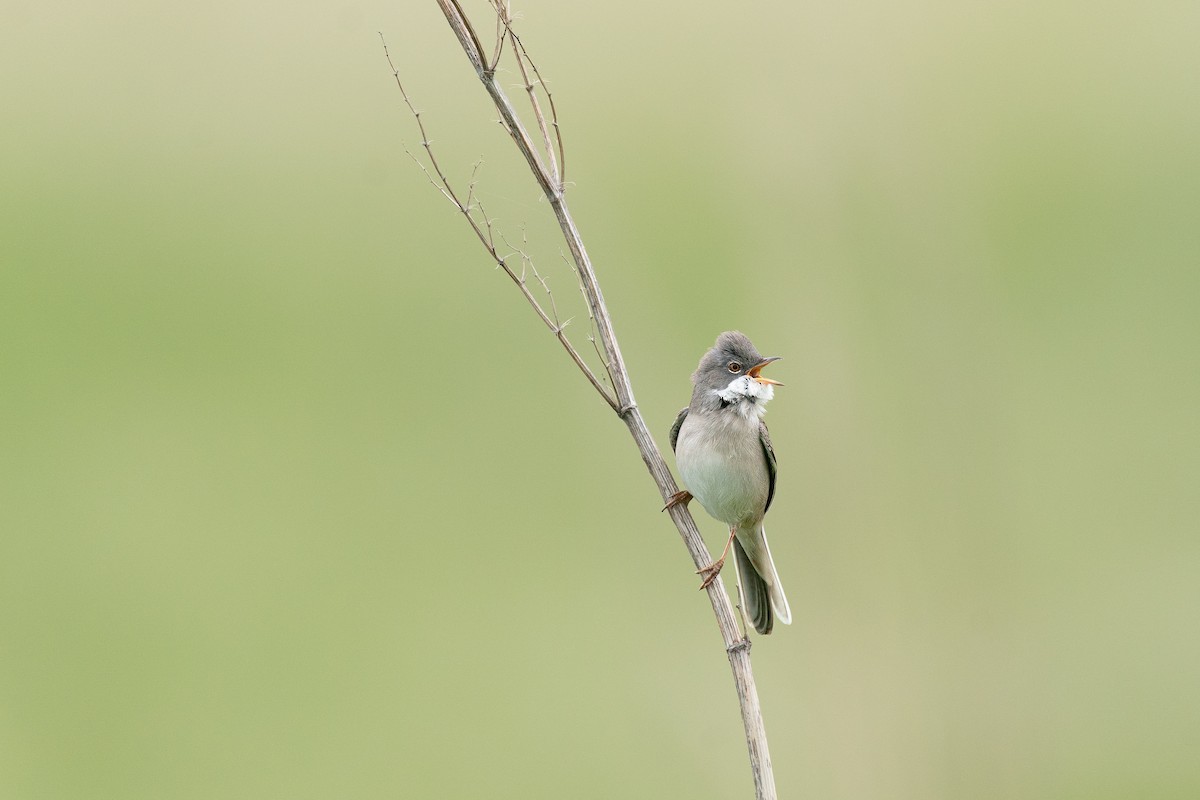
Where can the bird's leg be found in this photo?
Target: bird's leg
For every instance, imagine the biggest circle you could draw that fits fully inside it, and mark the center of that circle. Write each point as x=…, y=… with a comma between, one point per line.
x=684, y=497
x=711, y=572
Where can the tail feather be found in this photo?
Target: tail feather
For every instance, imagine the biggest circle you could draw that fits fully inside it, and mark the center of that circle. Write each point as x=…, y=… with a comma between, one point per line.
x=759, y=582
x=755, y=594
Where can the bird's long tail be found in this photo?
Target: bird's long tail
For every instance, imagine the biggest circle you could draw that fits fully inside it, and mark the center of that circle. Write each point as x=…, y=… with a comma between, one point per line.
x=761, y=591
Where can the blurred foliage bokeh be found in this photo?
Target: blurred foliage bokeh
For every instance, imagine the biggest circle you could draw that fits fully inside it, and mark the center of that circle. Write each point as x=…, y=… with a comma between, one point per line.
x=297, y=498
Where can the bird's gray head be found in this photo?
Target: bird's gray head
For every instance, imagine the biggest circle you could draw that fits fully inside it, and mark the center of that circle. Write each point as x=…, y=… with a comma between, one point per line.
x=728, y=375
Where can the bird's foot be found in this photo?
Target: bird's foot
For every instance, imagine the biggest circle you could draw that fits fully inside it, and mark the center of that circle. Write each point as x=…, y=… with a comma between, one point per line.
x=710, y=572
x=684, y=497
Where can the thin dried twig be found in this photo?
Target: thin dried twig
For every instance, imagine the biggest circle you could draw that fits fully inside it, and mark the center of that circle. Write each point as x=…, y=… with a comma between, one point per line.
x=591, y=323
x=521, y=55
x=501, y=30
x=485, y=234
x=527, y=264
x=621, y=397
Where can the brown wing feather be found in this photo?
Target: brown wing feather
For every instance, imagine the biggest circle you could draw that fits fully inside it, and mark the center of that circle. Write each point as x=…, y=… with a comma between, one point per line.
x=674, y=435
x=769, y=452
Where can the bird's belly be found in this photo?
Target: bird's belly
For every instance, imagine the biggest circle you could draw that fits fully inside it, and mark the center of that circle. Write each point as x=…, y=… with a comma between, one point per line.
x=726, y=474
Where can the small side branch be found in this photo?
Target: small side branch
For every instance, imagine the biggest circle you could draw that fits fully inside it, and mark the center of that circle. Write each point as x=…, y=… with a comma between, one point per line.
x=483, y=230
x=554, y=150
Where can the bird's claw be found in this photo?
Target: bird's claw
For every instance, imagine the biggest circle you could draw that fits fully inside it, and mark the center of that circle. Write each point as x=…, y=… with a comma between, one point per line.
x=684, y=497
x=710, y=572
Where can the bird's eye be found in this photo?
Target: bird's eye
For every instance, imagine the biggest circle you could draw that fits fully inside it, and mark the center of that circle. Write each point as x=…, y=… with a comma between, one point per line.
x=735, y=367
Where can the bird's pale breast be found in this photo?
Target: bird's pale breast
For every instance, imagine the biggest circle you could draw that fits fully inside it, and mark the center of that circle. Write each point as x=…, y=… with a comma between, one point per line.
x=721, y=461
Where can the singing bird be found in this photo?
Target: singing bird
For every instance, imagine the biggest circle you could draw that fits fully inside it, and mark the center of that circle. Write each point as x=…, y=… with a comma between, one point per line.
x=726, y=460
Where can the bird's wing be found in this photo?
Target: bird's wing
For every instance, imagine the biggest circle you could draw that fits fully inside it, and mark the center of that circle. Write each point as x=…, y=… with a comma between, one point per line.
x=769, y=452
x=674, y=435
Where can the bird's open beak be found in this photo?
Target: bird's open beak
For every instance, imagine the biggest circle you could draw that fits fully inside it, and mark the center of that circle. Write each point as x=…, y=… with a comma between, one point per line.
x=757, y=368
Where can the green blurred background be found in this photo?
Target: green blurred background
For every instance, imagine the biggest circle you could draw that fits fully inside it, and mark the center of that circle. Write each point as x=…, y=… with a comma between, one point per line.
x=299, y=501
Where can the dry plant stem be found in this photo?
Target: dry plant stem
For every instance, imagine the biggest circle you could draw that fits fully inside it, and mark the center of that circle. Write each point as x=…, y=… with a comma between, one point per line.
x=548, y=177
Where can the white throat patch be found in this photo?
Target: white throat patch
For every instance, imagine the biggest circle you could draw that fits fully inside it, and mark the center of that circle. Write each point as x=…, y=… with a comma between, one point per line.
x=747, y=395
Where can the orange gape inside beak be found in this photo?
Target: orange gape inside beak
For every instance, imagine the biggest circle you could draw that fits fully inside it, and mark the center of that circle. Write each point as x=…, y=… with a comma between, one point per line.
x=757, y=368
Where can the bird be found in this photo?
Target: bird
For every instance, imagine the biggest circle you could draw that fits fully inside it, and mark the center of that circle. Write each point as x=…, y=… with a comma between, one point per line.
x=727, y=462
